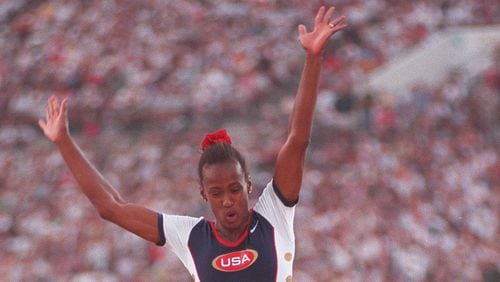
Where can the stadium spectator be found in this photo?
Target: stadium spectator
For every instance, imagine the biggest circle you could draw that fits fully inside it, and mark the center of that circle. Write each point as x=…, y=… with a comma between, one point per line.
x=419, y=201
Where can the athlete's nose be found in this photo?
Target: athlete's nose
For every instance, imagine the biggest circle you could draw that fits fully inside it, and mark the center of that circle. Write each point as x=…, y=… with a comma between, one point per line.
x=227, y=201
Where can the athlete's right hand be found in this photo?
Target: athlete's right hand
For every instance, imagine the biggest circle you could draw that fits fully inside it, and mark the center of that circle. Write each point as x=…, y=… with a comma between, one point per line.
x=56, y=126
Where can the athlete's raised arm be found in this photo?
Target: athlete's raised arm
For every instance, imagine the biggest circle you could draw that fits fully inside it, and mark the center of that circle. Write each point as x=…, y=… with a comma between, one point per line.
x=107, y=201
x=290, y=161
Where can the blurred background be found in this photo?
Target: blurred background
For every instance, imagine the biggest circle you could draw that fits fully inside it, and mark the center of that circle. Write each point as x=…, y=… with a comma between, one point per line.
x=402, y=181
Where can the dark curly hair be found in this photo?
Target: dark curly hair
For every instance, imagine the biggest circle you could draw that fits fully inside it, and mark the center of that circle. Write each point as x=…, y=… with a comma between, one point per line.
x=220, y=152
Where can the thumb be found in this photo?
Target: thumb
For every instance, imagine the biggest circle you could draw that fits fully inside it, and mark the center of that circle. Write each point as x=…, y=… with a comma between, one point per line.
x=42, y=124
x=302, y=29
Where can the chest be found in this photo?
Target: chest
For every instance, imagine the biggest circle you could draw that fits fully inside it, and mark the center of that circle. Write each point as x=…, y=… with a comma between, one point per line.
x=252, y=258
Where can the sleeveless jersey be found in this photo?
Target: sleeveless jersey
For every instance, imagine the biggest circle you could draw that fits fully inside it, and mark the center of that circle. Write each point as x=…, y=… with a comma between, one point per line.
x=265, y=251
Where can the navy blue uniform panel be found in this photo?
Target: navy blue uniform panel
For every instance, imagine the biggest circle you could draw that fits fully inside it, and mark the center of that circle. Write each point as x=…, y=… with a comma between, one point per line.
x=252, y=259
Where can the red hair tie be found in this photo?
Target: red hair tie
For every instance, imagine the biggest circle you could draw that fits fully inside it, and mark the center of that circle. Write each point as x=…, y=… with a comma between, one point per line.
x=214, y=137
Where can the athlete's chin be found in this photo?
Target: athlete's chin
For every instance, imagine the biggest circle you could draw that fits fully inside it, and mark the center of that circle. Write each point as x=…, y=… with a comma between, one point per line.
x=232, y=223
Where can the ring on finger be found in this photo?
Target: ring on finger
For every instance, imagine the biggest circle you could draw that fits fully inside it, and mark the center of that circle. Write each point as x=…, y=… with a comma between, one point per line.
x=332, y=25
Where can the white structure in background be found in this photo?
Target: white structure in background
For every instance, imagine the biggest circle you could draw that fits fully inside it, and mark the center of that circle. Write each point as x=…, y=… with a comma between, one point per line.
x=468, y=48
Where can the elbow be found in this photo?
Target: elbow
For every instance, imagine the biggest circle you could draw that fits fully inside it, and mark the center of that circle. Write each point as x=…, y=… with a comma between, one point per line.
x=109, y=207
x=105, y=213
x=298, y=142
x=108, y=211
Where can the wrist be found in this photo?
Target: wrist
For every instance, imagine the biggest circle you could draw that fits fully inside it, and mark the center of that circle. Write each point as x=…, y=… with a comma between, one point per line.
x=314, y=52
x=314, y=59
x=62, y=139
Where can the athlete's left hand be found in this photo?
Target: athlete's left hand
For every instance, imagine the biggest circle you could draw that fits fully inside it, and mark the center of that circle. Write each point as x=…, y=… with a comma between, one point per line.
x=315, y=41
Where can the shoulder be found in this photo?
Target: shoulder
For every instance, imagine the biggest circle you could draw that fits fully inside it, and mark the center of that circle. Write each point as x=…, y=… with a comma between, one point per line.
x=176, y=226
x=272, y=196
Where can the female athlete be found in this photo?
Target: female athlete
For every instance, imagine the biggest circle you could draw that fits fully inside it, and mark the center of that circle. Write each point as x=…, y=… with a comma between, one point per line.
x=242, y=243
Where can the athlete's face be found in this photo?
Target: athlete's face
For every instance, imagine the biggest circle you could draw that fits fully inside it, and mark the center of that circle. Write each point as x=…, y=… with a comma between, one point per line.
x=226, y=189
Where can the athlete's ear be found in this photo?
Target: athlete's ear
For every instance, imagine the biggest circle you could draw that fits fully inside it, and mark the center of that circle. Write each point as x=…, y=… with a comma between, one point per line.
x=249, y=186
x=203, y=194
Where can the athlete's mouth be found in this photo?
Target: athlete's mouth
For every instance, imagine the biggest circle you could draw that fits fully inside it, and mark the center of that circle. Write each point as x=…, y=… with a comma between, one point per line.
x=231, y=216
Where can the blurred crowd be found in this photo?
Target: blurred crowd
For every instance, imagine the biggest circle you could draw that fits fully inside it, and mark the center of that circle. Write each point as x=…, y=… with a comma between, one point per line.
x=401, y=191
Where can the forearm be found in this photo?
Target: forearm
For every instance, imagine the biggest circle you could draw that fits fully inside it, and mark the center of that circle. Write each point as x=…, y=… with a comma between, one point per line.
x=134, y=218
x=91, y=182
x=290, y=160
x=291, y=157
x=301, y=119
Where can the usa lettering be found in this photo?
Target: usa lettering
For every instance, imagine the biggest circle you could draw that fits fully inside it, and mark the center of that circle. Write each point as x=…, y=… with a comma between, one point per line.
x=234, y=261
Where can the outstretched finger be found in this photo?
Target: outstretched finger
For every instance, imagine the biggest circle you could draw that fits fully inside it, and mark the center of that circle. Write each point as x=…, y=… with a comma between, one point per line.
x=51, y=111
x=338, y=21
x=56, y=106
x=63, y=109
x=48, y=112
x=328, y=14
x=340, y=27
x=337, y=28
x=320, y=15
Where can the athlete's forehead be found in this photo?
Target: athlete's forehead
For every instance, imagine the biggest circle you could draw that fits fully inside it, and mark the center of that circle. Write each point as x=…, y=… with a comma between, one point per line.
x=222, y=174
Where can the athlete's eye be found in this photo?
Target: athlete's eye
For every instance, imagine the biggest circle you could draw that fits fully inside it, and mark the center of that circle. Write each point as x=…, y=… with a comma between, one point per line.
x=235, y=189
x=216, y=193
